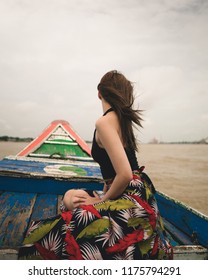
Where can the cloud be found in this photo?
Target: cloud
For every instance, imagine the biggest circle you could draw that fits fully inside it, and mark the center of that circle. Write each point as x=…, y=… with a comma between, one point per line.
x=53, y=54
x=26, y=106
x=5, y=126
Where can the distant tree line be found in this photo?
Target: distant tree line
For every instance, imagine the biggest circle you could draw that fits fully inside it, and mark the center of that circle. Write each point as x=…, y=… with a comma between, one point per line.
x=15, y=139
x=202, y=141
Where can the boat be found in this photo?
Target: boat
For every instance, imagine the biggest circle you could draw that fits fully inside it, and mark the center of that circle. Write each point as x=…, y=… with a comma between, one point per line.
x=33, y=182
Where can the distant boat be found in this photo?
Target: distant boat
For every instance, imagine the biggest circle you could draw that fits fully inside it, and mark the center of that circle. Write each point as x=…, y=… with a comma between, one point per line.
x=33, y=182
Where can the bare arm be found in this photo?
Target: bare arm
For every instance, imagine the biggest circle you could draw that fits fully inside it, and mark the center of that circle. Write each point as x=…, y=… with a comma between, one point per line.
x=108, y=136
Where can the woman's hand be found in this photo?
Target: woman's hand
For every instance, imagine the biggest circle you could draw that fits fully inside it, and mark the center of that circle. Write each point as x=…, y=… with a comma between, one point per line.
x=105, y=188
x=91, y=200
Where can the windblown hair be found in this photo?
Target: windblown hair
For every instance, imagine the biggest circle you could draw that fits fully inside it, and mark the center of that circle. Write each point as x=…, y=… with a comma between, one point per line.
x=118, y=92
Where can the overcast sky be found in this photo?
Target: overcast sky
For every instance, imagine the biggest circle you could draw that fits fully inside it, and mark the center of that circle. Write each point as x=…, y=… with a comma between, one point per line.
x=54, y=52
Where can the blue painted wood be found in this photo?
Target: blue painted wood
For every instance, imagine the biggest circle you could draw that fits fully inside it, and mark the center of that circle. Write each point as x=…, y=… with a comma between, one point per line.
x=45, y=184
x=45, y=206
x=33, y=167
x=22, y=165
x=59, y=202
x=18, y=209
x=192, y=223
x=7, y=200
x=176, y=236
x=42, y=193
x=15, y=219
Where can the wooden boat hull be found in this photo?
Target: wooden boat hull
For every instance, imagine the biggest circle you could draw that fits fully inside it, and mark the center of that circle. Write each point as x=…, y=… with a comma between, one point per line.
x=190, y=222
x=32, y=190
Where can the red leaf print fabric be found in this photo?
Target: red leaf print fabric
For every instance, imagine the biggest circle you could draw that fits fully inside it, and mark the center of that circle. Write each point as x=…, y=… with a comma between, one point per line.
x=72, y=247
x=67, y=216
x=148, y=208
x=128, y=227
x=127, y=241
x=91, y=209
x=45, y=253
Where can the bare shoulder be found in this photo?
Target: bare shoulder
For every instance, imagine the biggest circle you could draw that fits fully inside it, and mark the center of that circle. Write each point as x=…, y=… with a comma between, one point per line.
x=108, y=130
x=110, y=120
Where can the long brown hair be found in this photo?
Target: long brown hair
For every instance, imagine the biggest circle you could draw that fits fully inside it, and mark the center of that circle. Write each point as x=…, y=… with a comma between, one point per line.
x=118, y=92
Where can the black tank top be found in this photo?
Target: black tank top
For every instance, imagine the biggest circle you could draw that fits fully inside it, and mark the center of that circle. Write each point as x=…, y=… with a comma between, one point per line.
x=101, y=157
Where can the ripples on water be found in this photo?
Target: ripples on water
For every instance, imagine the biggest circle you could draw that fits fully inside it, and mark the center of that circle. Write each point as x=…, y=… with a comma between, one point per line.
x=179, y=171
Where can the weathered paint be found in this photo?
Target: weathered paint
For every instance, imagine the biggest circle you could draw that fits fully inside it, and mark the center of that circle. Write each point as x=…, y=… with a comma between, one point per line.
x=179, y=253
x=17, y=210
x=8, y=254
x=45, y=206
x=189, y=221
x=36, y=167
x=14, y=220
x=176, y=236
x=190, y=252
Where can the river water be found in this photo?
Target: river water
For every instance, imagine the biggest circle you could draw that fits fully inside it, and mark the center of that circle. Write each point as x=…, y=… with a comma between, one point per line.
x=178, y=170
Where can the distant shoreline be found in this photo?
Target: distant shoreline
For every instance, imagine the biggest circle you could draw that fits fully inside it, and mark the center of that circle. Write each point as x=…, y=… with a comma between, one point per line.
x=15, y=139
x=180, y=142
x=154, y=141
x=28, y=140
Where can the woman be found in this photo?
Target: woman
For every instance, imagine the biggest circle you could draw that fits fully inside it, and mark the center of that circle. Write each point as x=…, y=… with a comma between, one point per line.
x=125, y=222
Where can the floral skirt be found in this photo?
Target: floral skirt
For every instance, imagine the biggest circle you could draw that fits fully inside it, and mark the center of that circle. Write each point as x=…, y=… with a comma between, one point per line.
x=128, y=228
